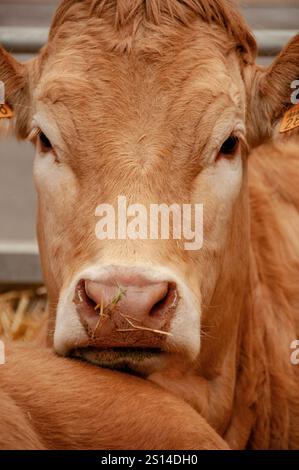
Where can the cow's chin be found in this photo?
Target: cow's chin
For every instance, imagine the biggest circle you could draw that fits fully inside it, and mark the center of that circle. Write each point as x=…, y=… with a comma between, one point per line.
x=141, y=362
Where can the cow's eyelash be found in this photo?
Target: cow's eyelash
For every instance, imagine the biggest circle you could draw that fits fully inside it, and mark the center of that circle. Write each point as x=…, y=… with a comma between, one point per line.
x=44, y=141
x=37, y=137
x=243, y=142
x=34, y=133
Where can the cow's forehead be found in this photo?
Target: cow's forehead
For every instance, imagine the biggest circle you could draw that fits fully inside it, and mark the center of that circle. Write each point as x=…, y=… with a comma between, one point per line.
x=115, y=99
x=181, y=71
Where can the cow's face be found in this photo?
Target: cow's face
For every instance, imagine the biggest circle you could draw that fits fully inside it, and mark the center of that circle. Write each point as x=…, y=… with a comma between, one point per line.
x=143, y=130
x=165, y=123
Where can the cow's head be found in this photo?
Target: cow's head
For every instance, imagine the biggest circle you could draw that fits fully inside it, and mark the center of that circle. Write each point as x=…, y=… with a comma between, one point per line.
x=156, y=102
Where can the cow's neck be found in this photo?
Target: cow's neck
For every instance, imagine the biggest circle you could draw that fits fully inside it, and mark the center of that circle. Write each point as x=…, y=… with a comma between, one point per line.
x=249, y=385
x=251, y=394
x=245, y=379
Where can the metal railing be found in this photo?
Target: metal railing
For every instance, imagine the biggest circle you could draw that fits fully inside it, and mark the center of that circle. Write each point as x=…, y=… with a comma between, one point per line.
x=20, y=263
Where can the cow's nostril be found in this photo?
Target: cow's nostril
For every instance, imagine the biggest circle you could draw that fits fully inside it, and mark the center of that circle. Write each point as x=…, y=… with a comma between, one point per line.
x=168, y=300
x=159, y=306
x=82, y=298
x=88, y=296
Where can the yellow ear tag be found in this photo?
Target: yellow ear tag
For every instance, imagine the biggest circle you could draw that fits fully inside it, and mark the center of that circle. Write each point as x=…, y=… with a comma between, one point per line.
x=291, y=119
x=5, y=112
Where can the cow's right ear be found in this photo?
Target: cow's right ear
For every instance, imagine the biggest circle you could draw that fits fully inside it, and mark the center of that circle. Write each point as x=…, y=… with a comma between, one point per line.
x=270, y=92
x=15, y=77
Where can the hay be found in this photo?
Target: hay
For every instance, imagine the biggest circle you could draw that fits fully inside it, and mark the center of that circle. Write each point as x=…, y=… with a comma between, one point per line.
x=106, y=312
x=135, y=327
x=22, y=313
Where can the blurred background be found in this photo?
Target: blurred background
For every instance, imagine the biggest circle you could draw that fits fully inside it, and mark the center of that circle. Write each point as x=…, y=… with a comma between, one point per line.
x=23, y=30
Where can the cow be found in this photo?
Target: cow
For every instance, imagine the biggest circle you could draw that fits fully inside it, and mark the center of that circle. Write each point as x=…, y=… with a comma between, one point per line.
x=160, y=103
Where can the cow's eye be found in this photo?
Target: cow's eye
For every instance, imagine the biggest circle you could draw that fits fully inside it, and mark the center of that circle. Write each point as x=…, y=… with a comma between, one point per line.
x=229, y=147
x=45, y=144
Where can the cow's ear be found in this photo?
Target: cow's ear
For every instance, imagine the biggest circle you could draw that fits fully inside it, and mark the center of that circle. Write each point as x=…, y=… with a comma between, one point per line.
x=272, y=92
x=14, y=76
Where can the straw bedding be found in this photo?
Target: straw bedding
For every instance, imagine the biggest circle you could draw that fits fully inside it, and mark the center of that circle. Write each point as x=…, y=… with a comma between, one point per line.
x=22, y=312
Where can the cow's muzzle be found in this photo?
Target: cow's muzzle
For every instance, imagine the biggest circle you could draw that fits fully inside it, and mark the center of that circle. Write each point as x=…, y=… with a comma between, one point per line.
x=137, y=318
x=126, y=311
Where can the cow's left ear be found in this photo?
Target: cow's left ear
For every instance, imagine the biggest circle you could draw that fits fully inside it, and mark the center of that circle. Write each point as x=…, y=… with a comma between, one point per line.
x=15, y=78
x=271, y=92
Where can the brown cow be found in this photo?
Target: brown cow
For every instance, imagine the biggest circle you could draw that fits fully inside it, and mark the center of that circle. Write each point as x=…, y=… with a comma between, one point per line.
x=159, y=102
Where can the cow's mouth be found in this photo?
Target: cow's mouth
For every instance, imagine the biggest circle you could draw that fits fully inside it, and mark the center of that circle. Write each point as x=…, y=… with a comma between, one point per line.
x=133, y=360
